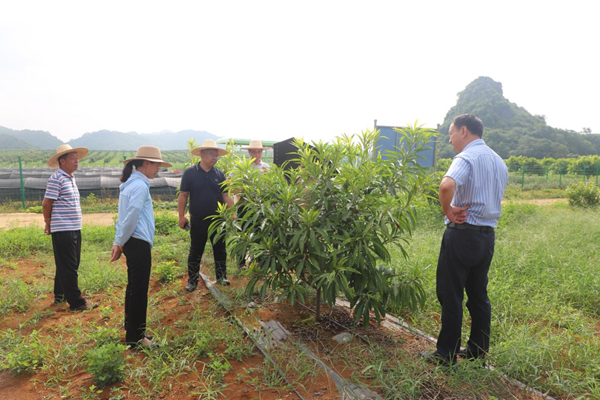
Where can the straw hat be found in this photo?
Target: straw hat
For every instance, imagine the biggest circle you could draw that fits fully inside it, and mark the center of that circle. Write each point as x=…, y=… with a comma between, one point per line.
x=149, y=153
x=64, y=149
x=255, y=145
x=209, y=144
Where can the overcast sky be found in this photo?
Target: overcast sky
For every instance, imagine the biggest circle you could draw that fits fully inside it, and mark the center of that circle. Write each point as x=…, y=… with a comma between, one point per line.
x=276, y=69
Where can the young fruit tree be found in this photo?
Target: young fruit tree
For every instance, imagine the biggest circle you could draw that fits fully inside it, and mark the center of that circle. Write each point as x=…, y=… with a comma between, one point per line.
x=328, y=225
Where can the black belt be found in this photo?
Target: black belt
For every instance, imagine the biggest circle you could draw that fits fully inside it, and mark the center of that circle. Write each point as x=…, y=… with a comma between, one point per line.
x=469, y=226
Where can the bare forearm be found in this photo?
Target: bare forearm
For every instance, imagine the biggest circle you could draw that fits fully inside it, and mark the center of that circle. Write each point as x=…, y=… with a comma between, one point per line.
x=181, y=203
x=47, y=208
x=227, y=200
x=446, y=194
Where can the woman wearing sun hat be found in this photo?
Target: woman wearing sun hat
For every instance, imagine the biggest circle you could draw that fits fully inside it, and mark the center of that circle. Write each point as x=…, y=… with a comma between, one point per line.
x=134, y=238
x=62, y=218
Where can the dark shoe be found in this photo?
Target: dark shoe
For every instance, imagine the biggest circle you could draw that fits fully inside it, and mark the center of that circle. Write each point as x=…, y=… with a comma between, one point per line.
x=85, y=306
x=469, y=356
x=191, y=287
x=437, y=359
x=139, y=346
x=58, y=302
x=223, y=282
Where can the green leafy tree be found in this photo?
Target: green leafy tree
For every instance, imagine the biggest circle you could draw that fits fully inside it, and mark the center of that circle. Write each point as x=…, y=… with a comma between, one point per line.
x=328, y=225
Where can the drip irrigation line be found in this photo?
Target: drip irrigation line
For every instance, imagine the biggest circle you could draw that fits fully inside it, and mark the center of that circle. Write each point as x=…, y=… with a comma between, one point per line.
x=226, y=304
x=392, y=321
x=347, y=390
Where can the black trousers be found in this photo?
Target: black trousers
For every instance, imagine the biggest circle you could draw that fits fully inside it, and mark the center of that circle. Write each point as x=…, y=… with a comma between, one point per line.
x=463, y=265
x=139, y=263
x=199, y=236
x=67, y=255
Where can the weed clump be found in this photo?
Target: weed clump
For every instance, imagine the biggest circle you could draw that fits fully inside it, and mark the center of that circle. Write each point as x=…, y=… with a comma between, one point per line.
x=106, y=363
x=583, y=194
x=27, y=356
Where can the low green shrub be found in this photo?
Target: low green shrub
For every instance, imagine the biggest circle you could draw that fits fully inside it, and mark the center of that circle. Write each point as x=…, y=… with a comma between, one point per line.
x=106, y=363
x=106, y=335
x=34, y=209
x=26, y=356
x=17, y=295
x=583, y=194
x=166, y=223
x=167, y=271
x=89, y=199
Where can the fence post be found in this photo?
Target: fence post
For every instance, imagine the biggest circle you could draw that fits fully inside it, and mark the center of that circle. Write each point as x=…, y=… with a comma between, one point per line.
x=522, y=176
x=547, y=171
x=22, y=186
x=559, y=176
x=584, y=172
x=597, y=166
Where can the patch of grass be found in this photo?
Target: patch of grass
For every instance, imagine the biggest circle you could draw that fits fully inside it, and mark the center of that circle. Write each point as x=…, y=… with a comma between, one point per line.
x=17, y=295
x=544, y=282
x=27, y=355
x=97, y=274
x=23, y=242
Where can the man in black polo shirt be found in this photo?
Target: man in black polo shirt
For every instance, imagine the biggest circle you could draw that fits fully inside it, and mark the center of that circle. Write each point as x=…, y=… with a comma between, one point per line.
x=202, y=183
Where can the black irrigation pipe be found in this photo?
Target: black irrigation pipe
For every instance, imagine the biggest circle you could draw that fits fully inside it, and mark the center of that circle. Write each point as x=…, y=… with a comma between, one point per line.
x=395, y=322
x=226, y=304
x=346, y=389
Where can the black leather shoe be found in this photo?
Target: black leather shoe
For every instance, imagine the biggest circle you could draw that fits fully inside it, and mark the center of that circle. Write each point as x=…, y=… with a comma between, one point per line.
x=84, y=307
x=437, y=359
x=223, y=282
x=139, y=346
x=469, y=356
x=191, y=287
x=58, y=302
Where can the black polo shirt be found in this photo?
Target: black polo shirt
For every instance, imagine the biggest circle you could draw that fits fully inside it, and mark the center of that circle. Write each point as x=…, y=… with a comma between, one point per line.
x=204, y=188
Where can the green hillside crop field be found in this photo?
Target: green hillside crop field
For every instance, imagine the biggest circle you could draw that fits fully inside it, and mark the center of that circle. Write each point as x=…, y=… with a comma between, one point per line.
x=95, y=158
x=544, y=287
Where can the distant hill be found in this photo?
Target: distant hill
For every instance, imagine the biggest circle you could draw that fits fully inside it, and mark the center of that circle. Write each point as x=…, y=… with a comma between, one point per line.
x=511, y=130
x=27, y=139
x=112, y=140
x=9, y=142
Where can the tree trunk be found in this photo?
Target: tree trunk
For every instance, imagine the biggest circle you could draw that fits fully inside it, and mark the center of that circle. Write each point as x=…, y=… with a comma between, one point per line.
x=318, y=311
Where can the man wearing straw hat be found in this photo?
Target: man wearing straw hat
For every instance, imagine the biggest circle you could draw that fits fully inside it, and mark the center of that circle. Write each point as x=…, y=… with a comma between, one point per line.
x=202, y=183
x=255, y=150
x=62, y=217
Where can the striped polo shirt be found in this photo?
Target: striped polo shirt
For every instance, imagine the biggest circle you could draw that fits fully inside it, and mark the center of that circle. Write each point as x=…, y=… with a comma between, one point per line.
x=66, y=211
x=481, y=176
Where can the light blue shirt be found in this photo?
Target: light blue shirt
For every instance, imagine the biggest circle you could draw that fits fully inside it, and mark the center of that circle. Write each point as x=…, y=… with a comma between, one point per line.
x=481, y=176
x=136, y=215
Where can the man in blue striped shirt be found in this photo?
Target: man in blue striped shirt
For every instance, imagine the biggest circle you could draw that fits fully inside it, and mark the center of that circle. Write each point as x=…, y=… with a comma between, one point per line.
x=470, y=196
x=62, y=217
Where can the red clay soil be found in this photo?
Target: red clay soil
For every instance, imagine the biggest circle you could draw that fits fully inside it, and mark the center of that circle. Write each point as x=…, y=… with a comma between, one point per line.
x=298, y=321
x=30, y=386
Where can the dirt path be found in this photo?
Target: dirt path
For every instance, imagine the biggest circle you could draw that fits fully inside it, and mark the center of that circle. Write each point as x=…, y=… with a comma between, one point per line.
x=16, y=220
x=537, y=202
